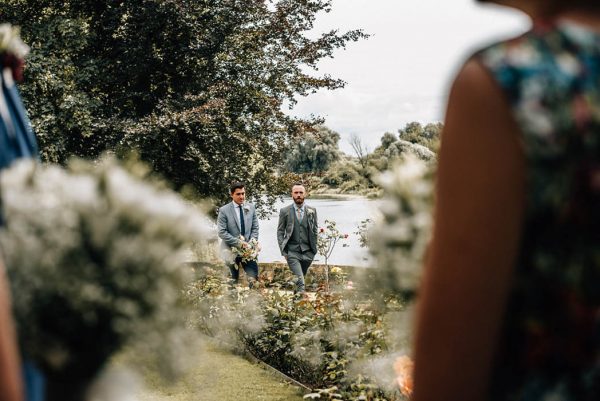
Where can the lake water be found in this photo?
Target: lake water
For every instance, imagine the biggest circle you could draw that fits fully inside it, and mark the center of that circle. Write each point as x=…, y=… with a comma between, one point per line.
x=346, y=212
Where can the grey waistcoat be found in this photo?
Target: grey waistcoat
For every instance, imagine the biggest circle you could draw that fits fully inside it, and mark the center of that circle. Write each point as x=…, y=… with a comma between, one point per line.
x=299, y=241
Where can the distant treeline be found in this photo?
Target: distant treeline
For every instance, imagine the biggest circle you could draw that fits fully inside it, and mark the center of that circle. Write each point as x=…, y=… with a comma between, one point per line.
x=317, y=159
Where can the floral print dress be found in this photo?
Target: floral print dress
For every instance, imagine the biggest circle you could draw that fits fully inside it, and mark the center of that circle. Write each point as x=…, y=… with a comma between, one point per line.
x=551, y=334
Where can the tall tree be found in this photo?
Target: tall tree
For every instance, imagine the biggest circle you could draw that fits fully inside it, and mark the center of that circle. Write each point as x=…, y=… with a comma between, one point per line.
x=314, y=152
x=197, y=87
x=387, y=139
x=428, y=135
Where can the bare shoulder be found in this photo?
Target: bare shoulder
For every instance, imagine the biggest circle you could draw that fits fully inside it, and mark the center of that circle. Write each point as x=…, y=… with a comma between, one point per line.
x=481, y=167
x=479, y=117
x=474, y=81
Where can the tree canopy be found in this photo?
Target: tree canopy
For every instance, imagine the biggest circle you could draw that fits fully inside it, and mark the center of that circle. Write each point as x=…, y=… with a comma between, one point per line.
x=314, y=152
x=416, y=133
x=422, y=141
x=357, y=174
x=196, y=87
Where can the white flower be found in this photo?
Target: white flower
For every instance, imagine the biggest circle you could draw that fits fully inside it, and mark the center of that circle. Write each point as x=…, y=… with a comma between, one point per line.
x=535, y=118
x=400, y=234
x=568, y=64
x=10, y=41
x=247, y=251
x=522, y=56
x=97, y=247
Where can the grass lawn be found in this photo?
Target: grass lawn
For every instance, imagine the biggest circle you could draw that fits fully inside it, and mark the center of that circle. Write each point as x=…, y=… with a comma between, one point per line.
x=221, y=376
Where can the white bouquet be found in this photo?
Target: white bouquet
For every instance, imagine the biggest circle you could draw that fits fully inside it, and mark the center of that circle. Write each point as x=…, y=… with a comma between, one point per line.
x=10, y=41
x=94, y=257
x=246, y=251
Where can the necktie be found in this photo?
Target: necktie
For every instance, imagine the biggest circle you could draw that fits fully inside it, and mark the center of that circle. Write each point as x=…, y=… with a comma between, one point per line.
x=242, y=224
x=299, y=212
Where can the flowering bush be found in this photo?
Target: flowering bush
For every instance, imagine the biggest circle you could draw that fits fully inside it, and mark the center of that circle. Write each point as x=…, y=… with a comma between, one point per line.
x=397, y=238
x=328, y=237
x=326, y=241
x=325, y=341
x=400, y=236
x=94, y=256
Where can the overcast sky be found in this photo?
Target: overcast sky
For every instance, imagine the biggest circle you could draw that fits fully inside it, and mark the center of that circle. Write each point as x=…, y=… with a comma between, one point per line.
x=402, y=72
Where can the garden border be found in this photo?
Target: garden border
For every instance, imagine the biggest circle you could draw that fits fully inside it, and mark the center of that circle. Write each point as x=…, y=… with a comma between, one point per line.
x=249, y=356
x=252, y=358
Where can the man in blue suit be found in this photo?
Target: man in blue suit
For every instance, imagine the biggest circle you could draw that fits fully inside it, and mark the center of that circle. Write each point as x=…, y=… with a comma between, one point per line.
x=237, y=222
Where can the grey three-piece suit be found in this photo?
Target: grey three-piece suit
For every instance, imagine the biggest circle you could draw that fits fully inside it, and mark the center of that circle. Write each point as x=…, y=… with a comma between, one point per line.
x=298, y=240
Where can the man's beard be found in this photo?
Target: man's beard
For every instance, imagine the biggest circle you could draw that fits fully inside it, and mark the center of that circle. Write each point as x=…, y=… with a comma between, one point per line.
x=299, y=200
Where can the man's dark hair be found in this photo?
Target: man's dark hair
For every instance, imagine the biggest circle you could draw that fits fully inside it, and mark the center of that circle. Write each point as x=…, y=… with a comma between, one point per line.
x=298, y=183
x=236, y=185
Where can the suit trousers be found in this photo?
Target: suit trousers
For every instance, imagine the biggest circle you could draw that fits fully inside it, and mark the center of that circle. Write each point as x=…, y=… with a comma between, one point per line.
x=299, y=263
x=251, y=269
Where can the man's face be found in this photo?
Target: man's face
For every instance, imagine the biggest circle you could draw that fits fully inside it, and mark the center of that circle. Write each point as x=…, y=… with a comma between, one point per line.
x=298, y=194
x=239, y=195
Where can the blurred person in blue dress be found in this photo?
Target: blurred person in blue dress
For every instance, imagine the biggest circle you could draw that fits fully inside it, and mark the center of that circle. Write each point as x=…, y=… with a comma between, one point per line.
x=16, y=141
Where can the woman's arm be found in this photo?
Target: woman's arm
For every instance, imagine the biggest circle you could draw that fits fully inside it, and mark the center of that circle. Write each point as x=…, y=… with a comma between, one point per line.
x=10, y=371
x=478, y=216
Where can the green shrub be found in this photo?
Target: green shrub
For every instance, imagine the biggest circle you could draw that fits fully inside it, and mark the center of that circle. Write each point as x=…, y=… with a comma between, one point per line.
x=317, y=341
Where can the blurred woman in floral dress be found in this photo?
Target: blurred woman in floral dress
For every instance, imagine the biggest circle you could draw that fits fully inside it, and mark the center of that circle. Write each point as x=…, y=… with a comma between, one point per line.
x=510, y=300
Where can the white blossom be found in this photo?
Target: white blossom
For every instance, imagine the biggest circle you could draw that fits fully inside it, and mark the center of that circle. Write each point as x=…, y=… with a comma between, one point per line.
x=10, y=41
x=99, y=247
x=398, y=238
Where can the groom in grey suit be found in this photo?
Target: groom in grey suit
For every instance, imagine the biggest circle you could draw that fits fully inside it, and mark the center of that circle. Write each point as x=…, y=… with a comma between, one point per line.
x=237, y=219
x=297, y=232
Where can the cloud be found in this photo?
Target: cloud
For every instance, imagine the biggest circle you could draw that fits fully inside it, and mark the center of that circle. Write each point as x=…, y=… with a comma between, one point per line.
x=402, y=73
x=369, y=114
